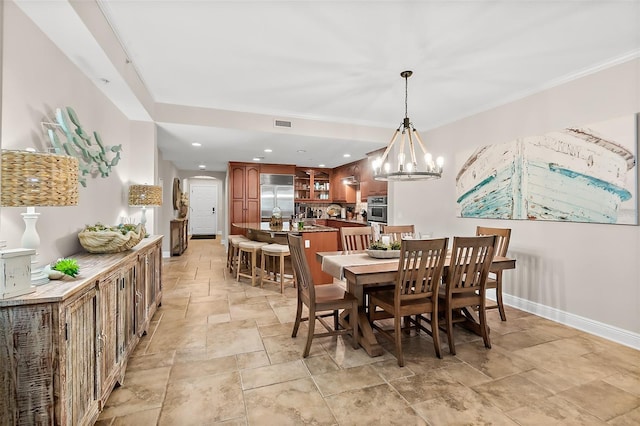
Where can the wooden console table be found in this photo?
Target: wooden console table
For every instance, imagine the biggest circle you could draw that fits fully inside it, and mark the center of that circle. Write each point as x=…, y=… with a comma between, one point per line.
x=179, y=236
x=65, y=346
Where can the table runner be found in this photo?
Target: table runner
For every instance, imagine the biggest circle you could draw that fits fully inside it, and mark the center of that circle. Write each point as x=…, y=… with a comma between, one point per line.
x=334, y=265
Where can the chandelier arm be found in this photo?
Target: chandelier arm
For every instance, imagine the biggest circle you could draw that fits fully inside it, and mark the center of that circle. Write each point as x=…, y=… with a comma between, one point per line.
x=386, y=151
x=420, y=142
x=412, y=150
x=401, y=151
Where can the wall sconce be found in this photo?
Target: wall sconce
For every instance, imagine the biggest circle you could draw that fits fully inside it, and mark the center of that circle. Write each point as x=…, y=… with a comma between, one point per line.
x=143, y=196
x=31, y=179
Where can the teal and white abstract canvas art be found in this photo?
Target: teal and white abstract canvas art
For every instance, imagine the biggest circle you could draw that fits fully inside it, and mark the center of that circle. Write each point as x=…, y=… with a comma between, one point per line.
x=578, y=174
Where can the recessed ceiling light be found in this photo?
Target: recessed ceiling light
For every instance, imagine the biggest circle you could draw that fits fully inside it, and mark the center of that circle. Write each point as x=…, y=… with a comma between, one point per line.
x=347, y=155
x=321, y=165
x=301, y=151
x=196, y=144
x=201, y=166
x=268, y=150
x=30, y=149
x=258, y=158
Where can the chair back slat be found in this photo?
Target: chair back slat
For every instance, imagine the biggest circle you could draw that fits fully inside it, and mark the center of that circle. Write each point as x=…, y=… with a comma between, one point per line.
x=420, y=268
x=396, y=231
x=356, y=237
x=503, y=235
x=303, y=276
x=471, y=259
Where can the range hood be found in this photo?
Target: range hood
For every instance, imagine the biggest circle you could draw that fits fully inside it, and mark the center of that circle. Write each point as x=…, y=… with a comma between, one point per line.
x=350, y=180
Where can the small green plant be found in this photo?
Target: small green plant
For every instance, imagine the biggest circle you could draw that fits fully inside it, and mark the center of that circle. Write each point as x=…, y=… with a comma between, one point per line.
x=67, y=266
x=124, y=229
x=377, y=245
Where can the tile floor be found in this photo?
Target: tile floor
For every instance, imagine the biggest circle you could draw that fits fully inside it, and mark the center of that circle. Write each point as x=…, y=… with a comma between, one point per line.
x=221, y=352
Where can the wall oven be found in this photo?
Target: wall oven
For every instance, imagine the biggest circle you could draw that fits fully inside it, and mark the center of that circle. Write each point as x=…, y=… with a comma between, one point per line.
x=377, y=208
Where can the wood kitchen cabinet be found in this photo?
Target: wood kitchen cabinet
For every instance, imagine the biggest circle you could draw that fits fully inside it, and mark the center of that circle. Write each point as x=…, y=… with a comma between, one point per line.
x=343, y=193
x=64, y=346
x=312, y=184
x=244, y=195
x=368, y=185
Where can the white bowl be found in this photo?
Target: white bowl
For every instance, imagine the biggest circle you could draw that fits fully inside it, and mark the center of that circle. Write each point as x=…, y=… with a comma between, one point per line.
x=383, y=254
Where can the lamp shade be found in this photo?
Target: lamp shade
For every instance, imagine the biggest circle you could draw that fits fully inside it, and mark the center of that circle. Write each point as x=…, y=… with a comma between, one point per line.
x=145, y=195
x=31, y=179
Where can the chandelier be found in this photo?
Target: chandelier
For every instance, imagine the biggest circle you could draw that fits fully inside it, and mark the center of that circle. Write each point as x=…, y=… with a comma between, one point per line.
x=407, y=167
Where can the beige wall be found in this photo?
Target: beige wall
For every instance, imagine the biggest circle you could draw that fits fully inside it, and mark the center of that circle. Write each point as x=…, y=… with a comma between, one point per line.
x=586, y=275
x=36, y=79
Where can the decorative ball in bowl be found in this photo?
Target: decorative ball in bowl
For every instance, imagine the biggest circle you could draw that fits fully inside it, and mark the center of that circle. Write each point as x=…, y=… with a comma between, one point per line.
x=99, y=238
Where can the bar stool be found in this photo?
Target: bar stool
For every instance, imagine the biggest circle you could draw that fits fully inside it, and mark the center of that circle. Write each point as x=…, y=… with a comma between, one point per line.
x=270, y=253
x=232, y=251
x=247, y=248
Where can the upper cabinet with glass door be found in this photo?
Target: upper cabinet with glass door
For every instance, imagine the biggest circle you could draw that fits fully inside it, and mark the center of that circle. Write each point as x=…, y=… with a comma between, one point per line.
x=321, y=185
x=302, y=185
x=312, y=184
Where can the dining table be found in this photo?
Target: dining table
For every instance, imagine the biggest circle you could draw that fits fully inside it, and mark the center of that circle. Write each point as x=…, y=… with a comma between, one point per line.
x=360, y=270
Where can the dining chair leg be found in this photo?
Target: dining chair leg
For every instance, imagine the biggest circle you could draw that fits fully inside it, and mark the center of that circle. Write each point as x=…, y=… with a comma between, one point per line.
x=484, y=327
x=296, y=324
x=398, y=336
x=449, y=320
x=503, y=316
x=312, y=326
x=406, y=321
x=435, y=333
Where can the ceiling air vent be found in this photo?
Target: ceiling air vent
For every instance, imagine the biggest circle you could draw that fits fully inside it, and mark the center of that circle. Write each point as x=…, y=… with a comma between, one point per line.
x=282, y=123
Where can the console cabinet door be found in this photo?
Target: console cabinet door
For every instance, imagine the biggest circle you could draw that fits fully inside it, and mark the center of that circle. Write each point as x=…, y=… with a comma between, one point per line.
x=126, y=302
x=109, y=352
x=140, y=297
x=244, y=198
x=80, y=382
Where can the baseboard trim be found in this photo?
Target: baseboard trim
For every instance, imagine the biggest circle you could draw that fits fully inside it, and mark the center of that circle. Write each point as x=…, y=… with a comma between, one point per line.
x=606, y=331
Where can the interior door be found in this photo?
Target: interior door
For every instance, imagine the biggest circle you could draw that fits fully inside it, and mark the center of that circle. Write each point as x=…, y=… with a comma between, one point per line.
x=204, y=206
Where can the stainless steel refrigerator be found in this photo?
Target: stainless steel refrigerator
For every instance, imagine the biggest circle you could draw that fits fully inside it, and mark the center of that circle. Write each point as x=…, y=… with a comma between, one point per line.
x=276, y=190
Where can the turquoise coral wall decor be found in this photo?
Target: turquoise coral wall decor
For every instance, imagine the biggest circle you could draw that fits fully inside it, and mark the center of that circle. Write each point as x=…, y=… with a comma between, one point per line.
x=92, y=154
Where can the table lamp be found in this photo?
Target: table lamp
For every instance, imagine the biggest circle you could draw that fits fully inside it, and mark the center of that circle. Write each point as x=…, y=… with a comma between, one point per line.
x=143, y=196
x=32, y=179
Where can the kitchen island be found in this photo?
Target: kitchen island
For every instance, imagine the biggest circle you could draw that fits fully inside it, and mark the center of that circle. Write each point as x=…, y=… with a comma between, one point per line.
x=317, y=238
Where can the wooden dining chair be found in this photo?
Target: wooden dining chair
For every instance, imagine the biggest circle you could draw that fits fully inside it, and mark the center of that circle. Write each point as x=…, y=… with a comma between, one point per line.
x=396, y=231
x=320, y=300
x=356, y=237
x=465, y=284
x=415, y=292
x=503, y=236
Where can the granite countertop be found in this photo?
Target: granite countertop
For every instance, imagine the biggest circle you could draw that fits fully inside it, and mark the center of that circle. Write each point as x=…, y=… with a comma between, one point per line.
x=264, y=227
x=359, y=222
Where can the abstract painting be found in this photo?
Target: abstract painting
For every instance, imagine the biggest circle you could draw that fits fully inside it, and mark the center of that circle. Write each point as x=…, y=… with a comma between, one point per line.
x=578, y=174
